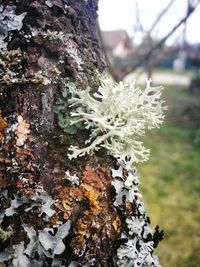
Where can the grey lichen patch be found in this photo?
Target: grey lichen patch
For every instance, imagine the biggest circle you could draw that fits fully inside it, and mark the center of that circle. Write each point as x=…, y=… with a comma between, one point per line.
x=49, y=3
x=45, y=243
x=138, y=240
x=72, y=50
x=52, y=241
x=9, y=21
x=47, y=103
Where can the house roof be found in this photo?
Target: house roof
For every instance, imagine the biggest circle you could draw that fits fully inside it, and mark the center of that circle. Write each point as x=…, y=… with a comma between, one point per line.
x=112, y=38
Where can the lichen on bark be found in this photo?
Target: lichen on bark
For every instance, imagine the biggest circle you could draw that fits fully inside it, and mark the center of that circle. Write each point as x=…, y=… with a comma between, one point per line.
x=54, y=220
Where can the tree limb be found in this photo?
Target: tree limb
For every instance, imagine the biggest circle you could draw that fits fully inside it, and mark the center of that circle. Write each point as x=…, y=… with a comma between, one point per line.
x=162, y=41
x=159, y=17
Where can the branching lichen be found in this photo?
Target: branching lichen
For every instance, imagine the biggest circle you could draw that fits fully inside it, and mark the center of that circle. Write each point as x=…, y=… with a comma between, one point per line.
x=117, y=115
x=53, y=35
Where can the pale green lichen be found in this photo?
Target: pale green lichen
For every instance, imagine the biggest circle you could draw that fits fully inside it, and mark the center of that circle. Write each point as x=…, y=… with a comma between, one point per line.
x=61, y=108
x=117, y=116
x=54, y=35
x=5, y=234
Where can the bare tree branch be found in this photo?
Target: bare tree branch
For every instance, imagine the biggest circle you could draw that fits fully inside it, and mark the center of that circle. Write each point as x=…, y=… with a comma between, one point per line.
x=138, y=25
x=159, y=17
x=152, y=49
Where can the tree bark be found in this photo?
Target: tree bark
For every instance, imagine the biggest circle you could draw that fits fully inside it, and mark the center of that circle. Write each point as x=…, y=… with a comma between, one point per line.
x=53, y=211
x=29, y=55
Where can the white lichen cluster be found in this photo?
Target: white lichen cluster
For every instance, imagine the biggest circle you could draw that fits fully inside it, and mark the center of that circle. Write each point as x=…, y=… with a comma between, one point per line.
x=74, y=179
x=117, y=116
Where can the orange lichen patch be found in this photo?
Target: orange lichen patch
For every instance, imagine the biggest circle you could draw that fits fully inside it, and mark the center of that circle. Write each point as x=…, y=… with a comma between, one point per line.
x=3, y=125
x=67, y=197
x=77, y=193
x=84, y=225
x=93, y=203
x=116, y=223
x=96, y=184
x=86, y=212
x=26, y=153
x=65, y=201
x=22, y=131
x=99, y=178
x=93, y=189
x=99, y=221
x=89, y=175
x=96, y=225
x=25, y=158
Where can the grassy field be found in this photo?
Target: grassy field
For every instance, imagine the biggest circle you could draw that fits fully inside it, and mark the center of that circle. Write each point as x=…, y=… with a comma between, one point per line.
x=170, y=183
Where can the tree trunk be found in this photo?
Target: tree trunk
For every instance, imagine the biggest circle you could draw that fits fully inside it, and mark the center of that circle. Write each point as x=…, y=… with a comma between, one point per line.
x=33, y=64
x=47, y=218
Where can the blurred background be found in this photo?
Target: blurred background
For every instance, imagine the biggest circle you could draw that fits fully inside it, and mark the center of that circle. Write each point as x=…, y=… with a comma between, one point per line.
x=161, y=39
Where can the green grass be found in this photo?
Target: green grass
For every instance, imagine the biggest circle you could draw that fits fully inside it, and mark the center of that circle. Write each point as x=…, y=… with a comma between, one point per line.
x=170, y=184
x=181, y=94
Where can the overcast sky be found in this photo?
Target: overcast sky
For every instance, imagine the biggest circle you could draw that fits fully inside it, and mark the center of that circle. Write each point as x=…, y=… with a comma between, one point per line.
x=120, y=14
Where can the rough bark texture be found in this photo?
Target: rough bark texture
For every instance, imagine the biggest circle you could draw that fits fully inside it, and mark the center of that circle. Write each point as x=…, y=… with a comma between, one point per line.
x=42, y=159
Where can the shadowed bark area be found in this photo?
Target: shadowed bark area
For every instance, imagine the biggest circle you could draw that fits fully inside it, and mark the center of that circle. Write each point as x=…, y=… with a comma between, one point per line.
x=56, y=41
